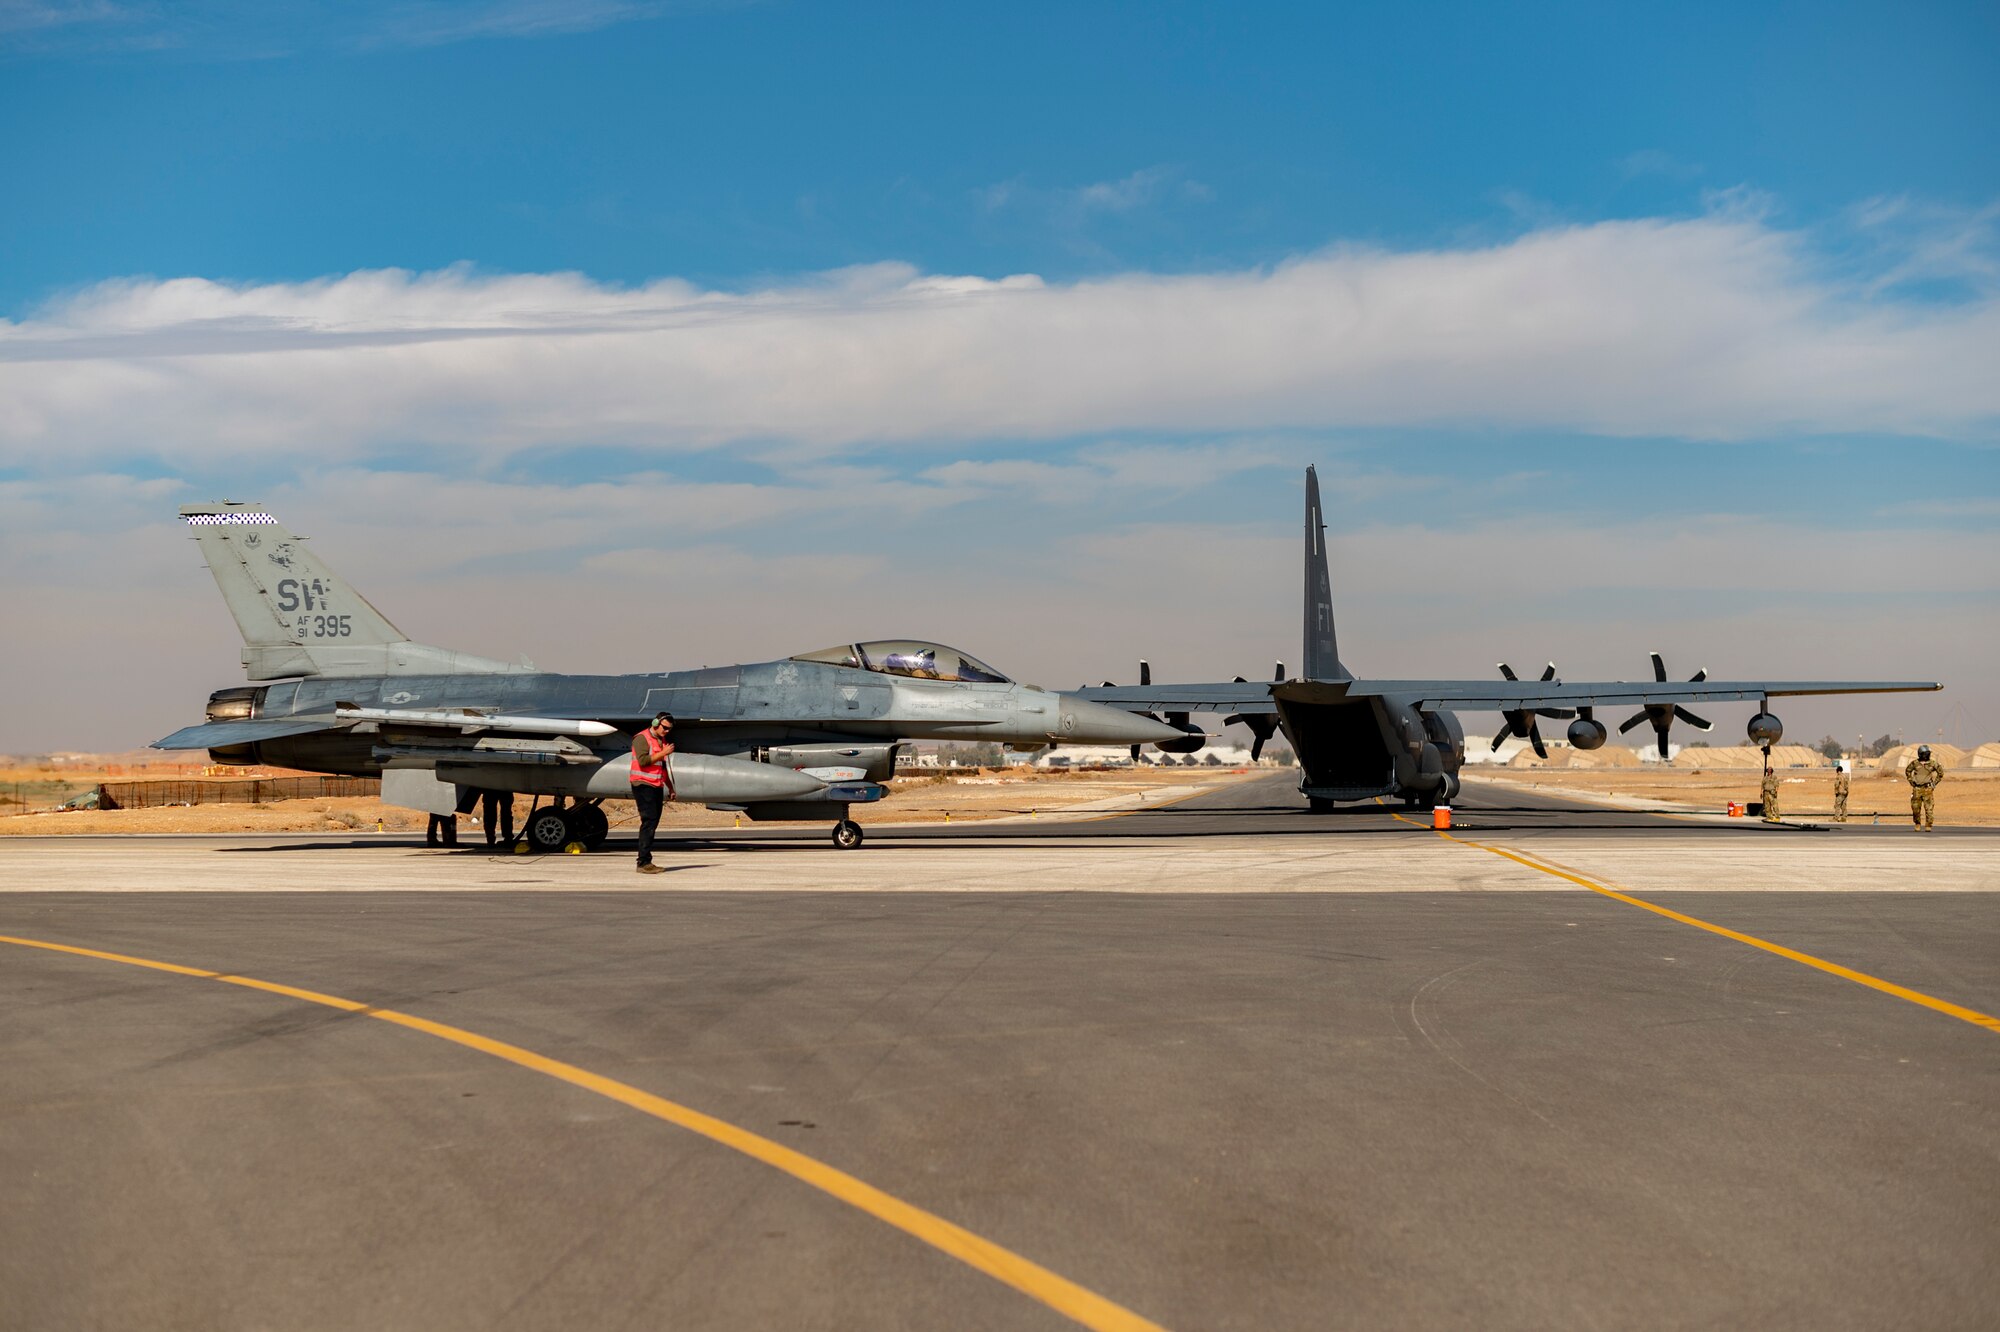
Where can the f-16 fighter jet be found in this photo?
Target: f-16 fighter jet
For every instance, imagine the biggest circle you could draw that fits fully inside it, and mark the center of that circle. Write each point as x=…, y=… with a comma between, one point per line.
x=338, y=689
x=1362, y=739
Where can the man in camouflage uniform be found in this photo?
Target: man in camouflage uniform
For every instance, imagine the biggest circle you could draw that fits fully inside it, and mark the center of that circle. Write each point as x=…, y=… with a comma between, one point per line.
x=1923, y=774
x=1840, y=785
x=1770, y=795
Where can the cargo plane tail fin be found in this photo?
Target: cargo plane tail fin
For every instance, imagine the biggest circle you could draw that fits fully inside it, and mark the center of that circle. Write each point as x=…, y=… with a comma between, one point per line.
x=1322, y=652
x=297, y=616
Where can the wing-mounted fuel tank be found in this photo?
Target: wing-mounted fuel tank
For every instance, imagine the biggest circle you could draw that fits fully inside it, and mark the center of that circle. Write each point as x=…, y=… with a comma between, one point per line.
x=837, y=760
x=697, y=778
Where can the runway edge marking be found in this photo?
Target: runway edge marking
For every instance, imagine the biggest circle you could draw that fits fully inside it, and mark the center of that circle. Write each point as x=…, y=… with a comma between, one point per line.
x=1986, y=1021
x=1074, y=1302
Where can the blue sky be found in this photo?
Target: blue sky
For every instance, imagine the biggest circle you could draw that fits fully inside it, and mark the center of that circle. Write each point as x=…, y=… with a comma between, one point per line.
x=1610, y=329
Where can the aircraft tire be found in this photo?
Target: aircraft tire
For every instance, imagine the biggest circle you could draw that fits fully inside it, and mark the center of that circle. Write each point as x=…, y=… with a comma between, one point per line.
x=590, y=826
x=548, y=830
x=847, y=834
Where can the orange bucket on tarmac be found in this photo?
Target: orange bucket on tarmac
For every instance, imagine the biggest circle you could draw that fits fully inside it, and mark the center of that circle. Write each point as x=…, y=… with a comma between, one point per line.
x=1735, y=809
x=1441, y=817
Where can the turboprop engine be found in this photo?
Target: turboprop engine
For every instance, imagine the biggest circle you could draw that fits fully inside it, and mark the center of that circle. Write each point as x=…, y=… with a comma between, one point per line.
x=1192, y=739
x=1765, y=729
x=1586, y=732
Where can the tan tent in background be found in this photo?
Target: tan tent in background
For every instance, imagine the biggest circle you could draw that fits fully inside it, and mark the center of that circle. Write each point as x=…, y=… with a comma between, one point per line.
x=1750, y=756
x=1950, y=756
x=1986, y=756
x=1563, y=756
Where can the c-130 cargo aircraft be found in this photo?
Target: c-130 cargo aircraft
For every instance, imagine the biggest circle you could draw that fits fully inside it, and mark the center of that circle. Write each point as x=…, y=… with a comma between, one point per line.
x=337, y=688
x=1362, y=739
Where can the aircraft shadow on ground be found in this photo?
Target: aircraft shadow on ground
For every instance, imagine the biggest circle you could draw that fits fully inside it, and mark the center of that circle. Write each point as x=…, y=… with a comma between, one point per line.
x=1185, y=824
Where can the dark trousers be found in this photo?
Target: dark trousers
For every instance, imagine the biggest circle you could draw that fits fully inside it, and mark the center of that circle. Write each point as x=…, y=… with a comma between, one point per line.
x=650, y=800
x=496, y=812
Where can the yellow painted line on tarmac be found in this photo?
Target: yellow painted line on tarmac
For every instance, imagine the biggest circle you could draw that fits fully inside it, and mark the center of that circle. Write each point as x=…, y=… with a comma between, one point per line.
x=1978, y=1019
x=1058, y=1293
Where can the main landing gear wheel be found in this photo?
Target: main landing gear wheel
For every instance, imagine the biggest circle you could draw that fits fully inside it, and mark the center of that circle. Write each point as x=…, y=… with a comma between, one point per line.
x=589, y=825
x=847, y=834
x=547, y=830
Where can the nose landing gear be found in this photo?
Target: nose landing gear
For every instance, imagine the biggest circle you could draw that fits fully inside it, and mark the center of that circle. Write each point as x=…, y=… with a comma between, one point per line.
x=847, y=834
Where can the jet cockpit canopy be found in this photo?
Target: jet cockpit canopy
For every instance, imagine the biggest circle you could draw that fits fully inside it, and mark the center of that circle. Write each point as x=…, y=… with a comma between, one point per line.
x=905, y=656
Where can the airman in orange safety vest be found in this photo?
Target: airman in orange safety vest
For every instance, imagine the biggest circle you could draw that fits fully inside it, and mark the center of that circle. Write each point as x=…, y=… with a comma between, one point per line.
x=652, y=782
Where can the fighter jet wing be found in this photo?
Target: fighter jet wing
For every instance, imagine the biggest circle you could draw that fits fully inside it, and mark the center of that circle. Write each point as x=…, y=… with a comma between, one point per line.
x=1509, y=695
x=1247, y=697
x=219, y=734
x=451, y=721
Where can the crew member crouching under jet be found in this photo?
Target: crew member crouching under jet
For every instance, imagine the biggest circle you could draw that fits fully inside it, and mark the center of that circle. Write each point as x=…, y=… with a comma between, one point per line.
x=652, y=785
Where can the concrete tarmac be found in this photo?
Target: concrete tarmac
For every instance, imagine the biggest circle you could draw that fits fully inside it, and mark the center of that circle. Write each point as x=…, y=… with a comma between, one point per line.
x=1226, y=1065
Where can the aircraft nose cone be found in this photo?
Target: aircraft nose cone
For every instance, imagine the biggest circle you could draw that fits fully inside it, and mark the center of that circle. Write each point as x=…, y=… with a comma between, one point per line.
x=1087, y=723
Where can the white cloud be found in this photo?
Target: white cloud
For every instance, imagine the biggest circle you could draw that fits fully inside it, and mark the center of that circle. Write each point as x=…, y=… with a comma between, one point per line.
x=1717, y=327
x=261, y=29
x=27, y=16
x=1143, y=187
x=1913, y=241
x=436, y=22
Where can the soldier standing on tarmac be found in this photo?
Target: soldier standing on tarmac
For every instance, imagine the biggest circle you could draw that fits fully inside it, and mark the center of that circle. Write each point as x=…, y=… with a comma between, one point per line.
x=652, y=784
x=1923, y=774
x=1840, y=786
x=496, y=813
x=1770, y=794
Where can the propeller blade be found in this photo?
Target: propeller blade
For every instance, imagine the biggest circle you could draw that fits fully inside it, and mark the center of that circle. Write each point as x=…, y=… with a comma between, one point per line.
x=1279, y=676
x=1663, y=742
x=1549, y=672
x=1535, y=739
x=1239, y=680
x=1257, y=749
x=1693, y=720
x=1501, y=738
x=1508, y=671
x=1135, y=753
x=1146, y=672
x=1659, y=668
x=1698, y=676
x=1634, y=720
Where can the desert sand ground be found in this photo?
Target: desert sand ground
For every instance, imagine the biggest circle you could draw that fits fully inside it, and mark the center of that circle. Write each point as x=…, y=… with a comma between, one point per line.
x=968, y=794
x=1969, y=796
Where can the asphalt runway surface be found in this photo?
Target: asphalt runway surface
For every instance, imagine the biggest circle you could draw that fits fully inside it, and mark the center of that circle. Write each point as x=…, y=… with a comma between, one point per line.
x=1225, y=1065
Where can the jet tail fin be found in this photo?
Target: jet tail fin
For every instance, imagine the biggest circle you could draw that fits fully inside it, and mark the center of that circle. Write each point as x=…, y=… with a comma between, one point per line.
x=1322, y=659
x=300, y=618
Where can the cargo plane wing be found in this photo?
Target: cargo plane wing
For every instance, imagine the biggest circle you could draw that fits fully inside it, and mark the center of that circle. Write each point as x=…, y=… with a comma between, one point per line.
x=1359, y=739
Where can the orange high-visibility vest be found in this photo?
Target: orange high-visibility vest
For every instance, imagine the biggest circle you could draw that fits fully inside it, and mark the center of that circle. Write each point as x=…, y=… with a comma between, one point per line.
x=654, y=771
